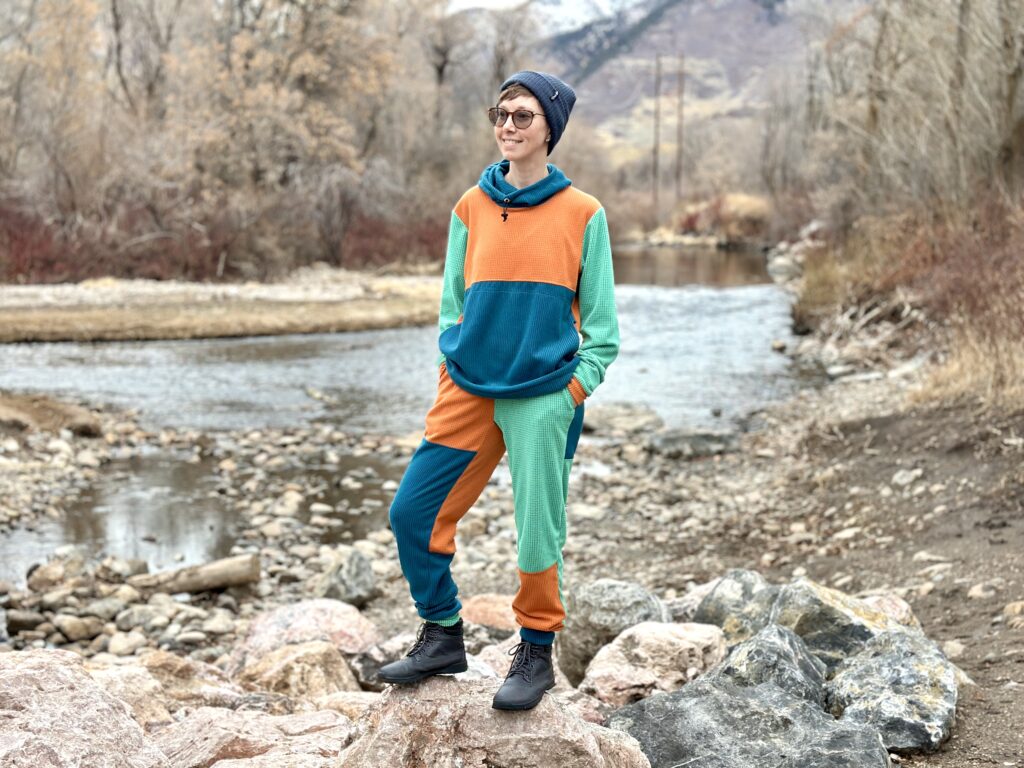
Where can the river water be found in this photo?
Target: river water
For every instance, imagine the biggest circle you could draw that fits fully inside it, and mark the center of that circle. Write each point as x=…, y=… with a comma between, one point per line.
x=696, y=328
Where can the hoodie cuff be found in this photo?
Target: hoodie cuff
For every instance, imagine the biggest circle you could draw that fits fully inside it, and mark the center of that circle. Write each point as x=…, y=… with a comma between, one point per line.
x=576, y=390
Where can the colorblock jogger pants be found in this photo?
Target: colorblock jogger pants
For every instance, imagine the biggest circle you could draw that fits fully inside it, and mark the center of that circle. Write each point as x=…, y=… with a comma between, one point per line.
x=465, y=438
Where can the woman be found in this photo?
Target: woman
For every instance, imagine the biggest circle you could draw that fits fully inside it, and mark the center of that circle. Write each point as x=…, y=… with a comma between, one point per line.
x=528, y=328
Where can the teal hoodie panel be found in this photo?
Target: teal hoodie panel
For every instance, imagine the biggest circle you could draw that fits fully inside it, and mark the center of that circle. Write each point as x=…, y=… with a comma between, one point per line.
x=493, y=182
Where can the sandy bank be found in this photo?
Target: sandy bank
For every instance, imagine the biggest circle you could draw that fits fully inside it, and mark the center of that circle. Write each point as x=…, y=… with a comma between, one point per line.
x=317, y=299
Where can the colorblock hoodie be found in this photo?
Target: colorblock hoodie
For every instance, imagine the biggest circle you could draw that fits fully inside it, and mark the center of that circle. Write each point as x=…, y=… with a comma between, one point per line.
x=528, y=305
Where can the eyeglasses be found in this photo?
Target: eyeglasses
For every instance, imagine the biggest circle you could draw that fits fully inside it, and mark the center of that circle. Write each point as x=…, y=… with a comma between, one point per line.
x=521, y=118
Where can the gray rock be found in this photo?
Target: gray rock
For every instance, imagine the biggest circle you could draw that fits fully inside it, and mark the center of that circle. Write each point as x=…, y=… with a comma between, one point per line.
x=717, y=724
x=596, y=614
x=106, y=608
x=901, y=684
x=143, y=616
x=3, y=626
x=349, y=577
x=831, y=623
x=19, y=619
x=692, y=444
x=118, y=569
x=777, y=655
x=740, y=604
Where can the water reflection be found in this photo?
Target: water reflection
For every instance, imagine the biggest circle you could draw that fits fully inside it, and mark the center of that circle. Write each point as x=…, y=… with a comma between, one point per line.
x=674, y=266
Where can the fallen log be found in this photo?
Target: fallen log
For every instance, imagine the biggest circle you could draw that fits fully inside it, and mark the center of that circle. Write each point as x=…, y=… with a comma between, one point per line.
x=227, y=572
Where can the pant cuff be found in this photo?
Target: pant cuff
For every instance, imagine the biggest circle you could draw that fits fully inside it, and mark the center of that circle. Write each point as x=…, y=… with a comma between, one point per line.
x=536, y=636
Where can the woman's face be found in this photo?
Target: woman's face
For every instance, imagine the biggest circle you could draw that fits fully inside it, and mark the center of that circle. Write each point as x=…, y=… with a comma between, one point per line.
x=522, y=144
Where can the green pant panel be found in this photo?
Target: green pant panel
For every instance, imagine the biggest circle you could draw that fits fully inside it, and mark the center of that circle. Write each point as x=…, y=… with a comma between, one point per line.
x=536, y=430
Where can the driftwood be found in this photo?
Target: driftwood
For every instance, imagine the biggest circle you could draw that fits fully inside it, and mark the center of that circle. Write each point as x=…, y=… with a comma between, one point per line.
x=227, y=572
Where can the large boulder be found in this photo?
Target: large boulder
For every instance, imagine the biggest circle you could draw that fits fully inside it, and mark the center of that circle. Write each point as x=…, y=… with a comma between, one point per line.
x=136, y=687
x=447, y=723
x=717, y=724
x=652, y=656
x=54, y=715
x=901, y=684
x=301, y=622
x=208, y=735
x=740, y=603
x=596, y=613
x=303, y=672
x=831, y=623
x=776, y=655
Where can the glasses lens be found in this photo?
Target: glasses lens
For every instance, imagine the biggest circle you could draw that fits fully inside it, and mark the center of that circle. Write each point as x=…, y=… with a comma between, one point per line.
x=522, y=118
x=497, y=115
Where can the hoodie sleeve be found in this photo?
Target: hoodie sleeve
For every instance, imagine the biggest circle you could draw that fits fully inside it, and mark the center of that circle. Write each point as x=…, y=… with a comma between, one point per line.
x=599, y=323
x=454, y=289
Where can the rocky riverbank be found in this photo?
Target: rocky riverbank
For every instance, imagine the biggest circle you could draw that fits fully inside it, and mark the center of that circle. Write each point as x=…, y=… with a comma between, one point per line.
x=860, y=498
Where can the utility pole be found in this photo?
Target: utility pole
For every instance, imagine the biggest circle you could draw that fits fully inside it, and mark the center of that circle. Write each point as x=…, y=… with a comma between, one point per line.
x=657, y=135
x=679, y=129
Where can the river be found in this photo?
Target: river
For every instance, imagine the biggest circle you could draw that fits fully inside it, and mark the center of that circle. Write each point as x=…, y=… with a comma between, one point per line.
x=696, y=327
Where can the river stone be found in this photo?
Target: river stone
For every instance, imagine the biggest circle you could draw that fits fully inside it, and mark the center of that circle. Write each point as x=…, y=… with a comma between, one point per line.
x=55, y=716
x=78, y=627
x=118, y=569
x=625, y=418
x=652, y=656
x=447, y=722
x=739, y=603
x=831, y=623
x=19, y=619
x=596, y=613
x=302, y=622
x=106, y=608
x=777, y=655
x=144, y=616
x=4, y=637
x=692, y=444
x=43, y=578
x=348, y=577
x=208, y=735
x=717, y=724
x=303, y=671
x=902, y=685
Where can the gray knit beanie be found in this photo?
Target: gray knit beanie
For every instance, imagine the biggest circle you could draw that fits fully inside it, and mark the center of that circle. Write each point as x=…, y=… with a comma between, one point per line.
x=555, y=96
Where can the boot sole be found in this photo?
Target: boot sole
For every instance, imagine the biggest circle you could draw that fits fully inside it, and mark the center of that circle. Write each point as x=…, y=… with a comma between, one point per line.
x=522, y=707
x=451, y=669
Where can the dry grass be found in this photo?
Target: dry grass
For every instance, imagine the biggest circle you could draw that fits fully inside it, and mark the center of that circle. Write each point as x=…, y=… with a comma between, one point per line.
x=978, y=366
x=968, y=277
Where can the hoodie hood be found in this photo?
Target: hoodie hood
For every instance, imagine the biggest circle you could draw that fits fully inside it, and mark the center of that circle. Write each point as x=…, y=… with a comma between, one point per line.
x=493, y=182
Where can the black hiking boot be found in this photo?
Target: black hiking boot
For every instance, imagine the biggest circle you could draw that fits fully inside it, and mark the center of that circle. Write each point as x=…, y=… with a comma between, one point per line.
x=529, y=676
x=438, y=651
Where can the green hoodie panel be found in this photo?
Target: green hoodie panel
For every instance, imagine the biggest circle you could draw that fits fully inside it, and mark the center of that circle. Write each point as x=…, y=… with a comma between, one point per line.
x=599, y=323
x=453, y=293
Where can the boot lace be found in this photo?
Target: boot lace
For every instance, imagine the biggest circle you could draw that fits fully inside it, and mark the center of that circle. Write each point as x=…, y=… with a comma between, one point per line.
x=521, y=662
x=426, y=632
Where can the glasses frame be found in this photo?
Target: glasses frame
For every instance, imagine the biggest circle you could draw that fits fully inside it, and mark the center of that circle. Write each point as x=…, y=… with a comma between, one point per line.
x=510, y=113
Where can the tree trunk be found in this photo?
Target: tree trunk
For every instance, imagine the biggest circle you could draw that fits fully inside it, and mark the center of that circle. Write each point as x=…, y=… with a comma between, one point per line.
x=227, y=572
